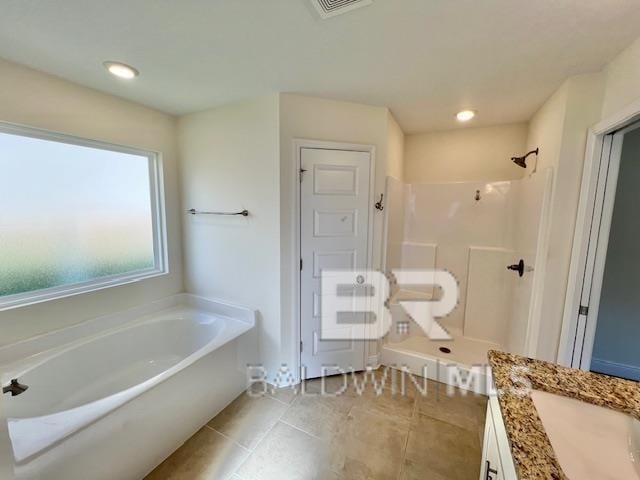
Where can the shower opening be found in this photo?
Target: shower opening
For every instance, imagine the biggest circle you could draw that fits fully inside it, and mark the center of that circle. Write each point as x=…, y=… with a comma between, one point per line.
x=476, y=231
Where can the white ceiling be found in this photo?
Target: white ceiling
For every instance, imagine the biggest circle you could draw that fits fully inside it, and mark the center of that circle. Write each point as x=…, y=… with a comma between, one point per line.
x=425, y=59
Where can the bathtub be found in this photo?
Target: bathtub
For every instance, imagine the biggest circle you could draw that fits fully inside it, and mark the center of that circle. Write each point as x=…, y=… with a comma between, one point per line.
x=111, y=398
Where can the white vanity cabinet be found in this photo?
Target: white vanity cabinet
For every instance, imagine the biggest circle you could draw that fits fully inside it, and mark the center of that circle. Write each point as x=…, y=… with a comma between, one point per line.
x=497, y=463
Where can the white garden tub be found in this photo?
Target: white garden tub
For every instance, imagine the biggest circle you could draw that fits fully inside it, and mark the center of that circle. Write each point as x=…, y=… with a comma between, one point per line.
x=112, y=403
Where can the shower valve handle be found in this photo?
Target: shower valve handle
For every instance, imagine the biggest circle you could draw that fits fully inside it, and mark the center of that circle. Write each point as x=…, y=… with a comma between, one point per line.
x=517, y=267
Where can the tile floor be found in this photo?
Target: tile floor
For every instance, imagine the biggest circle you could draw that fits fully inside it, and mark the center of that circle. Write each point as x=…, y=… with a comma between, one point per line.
x=371, y=434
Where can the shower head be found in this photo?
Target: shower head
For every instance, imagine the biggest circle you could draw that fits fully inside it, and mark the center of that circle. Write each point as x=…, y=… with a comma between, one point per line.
x=522, y=161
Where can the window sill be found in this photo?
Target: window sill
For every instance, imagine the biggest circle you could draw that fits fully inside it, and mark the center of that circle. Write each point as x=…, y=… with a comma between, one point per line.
x=56, y=293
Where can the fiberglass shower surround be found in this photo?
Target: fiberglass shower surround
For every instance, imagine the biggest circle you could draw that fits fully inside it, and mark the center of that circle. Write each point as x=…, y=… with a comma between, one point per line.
x=473, y=230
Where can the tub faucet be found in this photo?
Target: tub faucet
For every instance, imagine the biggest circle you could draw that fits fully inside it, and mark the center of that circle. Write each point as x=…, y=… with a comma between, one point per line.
x=15, y=388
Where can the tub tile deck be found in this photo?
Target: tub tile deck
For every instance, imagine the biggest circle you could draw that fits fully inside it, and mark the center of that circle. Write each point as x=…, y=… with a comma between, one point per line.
x=289, y=436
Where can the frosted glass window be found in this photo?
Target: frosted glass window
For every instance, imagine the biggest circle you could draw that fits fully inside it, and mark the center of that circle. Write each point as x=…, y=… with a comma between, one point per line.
x=74, y=215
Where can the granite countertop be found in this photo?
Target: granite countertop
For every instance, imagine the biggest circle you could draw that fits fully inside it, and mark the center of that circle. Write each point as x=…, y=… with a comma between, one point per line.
x=532, y=452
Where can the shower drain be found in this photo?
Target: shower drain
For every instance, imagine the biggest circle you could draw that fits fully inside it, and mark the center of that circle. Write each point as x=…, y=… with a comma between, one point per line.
x=445, y=350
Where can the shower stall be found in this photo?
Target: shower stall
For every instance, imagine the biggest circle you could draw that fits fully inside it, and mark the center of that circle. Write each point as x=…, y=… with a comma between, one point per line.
x=492, y=237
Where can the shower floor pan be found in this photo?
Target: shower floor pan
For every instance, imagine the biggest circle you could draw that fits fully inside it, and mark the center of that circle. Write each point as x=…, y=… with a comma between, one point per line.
x=461, y=362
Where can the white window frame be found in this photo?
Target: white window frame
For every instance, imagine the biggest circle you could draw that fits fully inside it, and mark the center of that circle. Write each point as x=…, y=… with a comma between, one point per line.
x=157, y=201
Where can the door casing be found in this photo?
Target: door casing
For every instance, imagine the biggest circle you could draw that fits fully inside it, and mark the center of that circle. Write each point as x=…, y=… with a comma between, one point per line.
x=298, y=145
x=593, y=222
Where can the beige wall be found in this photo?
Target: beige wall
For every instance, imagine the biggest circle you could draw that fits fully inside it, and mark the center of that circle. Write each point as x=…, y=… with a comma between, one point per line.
x=241, y=156
x=465, y=154
x=546, y=127
x=35, y=99
x=229, y=158
x=394, y=196
x=560, y=129
x=622, y=80
x=229, y=161
x=395, y=149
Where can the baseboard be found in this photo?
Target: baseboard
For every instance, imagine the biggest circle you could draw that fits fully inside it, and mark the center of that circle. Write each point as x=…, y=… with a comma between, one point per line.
x=631, y=372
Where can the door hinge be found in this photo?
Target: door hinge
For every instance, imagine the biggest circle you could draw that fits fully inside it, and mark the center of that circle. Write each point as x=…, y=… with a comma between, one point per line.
x=302, y=170
x=583, y=310
x=300, y=264
x=301, y=346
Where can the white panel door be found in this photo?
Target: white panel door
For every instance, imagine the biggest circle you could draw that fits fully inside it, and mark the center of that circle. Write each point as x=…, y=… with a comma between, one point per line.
x=334, y=234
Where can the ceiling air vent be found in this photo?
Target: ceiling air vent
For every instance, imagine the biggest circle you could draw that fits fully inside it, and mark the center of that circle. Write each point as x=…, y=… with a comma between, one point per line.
x=331, y=8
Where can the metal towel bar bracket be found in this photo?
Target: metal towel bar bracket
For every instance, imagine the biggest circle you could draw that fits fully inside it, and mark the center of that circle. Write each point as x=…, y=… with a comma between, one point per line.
x=193, y=211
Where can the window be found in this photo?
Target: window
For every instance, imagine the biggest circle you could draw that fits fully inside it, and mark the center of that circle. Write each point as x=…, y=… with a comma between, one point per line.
x=75, y=215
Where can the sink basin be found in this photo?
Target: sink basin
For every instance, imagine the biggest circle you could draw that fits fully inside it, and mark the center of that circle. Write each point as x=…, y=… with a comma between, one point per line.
x=634, y=444
x=590, y=442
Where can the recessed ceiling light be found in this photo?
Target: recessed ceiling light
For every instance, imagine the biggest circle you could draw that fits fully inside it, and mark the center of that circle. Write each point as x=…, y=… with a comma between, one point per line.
x=465, y=115
x=121, y=70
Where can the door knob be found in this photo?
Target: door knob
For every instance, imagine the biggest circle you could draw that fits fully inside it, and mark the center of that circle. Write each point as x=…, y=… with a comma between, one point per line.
x=517, y=267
